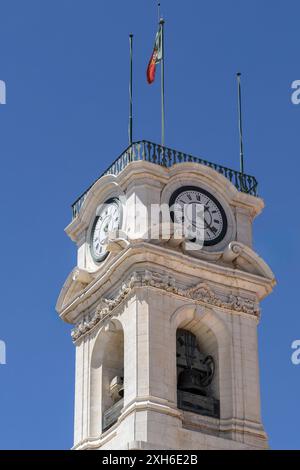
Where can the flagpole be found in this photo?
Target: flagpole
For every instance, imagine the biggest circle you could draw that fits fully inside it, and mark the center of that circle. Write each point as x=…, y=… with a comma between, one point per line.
x=161, y=22
x=238, y=75
x=130, y=89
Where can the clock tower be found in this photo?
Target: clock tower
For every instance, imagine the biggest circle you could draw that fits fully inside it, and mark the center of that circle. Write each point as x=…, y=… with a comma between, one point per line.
x=165, y=329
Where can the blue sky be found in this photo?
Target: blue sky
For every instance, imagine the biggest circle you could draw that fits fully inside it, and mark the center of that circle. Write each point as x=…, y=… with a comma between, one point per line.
x=65, y=64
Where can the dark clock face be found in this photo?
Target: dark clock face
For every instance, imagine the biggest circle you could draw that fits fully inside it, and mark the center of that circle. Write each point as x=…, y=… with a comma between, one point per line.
x=108, y=220
x=215, y=220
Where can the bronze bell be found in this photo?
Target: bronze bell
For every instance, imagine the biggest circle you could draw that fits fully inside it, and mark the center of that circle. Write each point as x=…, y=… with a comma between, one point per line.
x=190, y=380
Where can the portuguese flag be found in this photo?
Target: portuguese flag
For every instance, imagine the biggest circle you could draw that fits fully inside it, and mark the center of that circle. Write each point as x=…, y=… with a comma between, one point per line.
x=156, y=56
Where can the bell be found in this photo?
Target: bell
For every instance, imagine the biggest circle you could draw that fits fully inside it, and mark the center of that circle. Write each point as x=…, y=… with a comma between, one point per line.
x=116, y=388
x=189, y=380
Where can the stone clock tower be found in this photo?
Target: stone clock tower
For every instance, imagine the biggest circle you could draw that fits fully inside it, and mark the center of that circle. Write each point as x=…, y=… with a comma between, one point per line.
x=166, y=333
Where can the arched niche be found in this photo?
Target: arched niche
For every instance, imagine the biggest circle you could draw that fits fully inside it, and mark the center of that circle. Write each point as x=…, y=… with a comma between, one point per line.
x=197, y=378
x=107, y=377
x=213, y=339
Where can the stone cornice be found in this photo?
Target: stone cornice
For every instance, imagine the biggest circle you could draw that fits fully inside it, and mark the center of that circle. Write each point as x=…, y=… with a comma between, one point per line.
x=150, y=256
x=204, y=423
x=201, y=294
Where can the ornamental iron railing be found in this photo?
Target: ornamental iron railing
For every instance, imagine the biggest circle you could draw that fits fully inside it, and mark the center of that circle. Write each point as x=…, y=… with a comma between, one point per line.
x=164, y=156
x=111, y=415
x=206, y=406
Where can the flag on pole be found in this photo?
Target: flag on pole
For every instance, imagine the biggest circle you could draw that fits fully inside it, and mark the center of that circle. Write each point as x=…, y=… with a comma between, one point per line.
x=157, y=55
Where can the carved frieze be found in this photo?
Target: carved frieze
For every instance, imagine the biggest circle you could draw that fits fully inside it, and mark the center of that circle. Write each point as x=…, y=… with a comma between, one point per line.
x=200, y=293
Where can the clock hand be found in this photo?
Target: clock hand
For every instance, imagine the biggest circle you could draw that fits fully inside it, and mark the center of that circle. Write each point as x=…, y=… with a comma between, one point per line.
x=206, y=208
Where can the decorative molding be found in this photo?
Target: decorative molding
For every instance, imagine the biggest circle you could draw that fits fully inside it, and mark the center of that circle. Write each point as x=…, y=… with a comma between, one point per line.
x=103, y=309
x=205, y=294
x=81, y=275
x=201, y=292
x=232, y=251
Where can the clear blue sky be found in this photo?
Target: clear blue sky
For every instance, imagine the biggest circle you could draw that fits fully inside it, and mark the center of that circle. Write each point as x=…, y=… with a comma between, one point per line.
x=65, y=63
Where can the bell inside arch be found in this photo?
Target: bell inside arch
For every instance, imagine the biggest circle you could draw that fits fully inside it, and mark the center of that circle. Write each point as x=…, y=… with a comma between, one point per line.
x=197, y=370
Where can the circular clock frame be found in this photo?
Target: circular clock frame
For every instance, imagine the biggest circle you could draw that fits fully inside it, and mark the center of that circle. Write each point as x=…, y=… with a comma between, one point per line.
x=182, y=189
x=112, y=200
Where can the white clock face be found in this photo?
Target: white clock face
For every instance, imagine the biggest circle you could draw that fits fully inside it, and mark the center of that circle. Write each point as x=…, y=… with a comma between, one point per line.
x=215, y=221
x=108, y=220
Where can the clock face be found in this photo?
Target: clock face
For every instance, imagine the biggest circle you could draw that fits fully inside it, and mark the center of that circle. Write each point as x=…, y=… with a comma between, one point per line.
x=108, y=220
x=215, y=221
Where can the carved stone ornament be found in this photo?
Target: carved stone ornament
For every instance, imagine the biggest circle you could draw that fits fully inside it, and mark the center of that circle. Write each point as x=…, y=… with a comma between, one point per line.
x=201, y=293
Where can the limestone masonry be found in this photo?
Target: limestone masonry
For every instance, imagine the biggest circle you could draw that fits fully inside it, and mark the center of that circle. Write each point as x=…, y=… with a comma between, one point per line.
x=165, y=336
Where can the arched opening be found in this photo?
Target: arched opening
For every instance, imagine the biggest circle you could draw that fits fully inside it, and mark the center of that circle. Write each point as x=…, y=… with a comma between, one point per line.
x=213, y=339
x=197, y=370
x=107, y=378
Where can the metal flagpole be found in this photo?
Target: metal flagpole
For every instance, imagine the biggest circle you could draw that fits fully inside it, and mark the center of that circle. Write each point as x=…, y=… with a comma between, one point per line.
x=130, y=90
x=238, y=75
x=161, y=22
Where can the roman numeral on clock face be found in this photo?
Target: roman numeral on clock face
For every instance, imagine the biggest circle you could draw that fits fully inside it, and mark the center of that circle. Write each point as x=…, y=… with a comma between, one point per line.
x=108, y=220
x=213, y=215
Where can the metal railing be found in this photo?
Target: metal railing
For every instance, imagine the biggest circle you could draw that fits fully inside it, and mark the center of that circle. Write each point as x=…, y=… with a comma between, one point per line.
x=111, y=415
x=206, y=406
x=164, y=156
